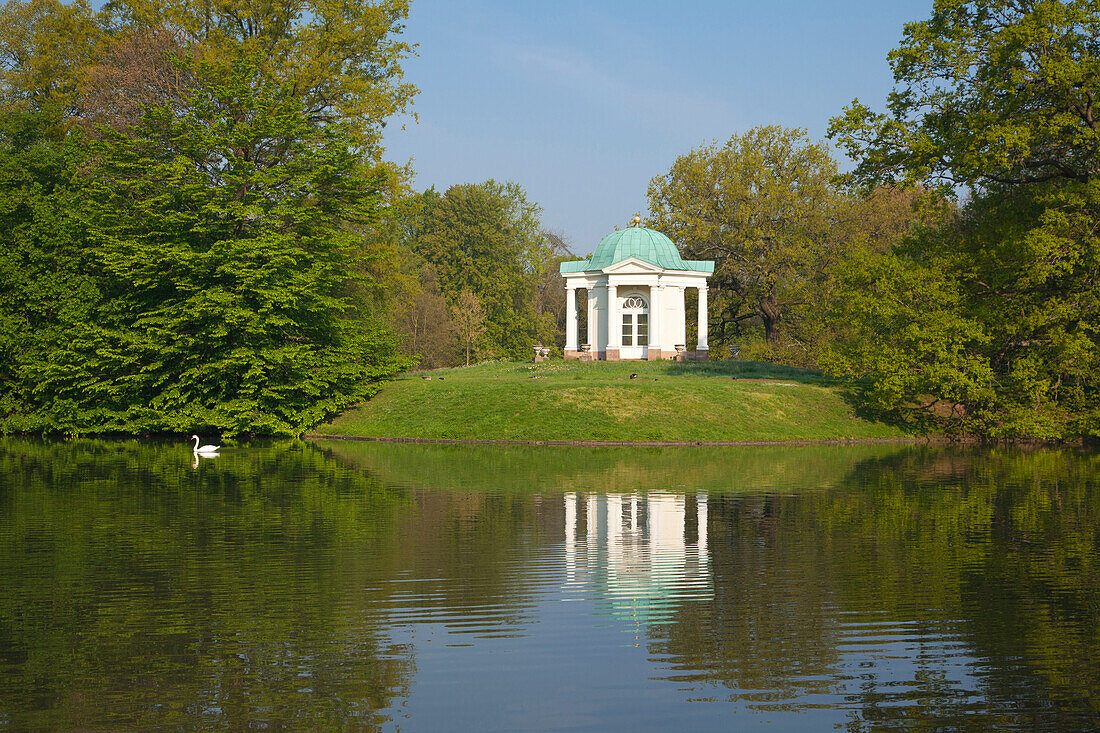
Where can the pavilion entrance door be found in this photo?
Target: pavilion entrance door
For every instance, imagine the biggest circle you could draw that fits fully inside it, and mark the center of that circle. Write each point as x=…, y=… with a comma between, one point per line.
x=635, y=327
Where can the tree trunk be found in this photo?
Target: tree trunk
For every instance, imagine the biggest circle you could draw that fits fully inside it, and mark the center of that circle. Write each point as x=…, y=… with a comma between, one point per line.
x=770, y=315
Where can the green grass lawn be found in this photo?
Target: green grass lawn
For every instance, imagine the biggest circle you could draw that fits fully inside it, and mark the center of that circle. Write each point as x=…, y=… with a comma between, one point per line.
x=558, y=400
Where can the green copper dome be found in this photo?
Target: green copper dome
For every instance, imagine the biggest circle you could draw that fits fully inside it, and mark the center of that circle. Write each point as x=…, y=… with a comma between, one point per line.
x=647, y=245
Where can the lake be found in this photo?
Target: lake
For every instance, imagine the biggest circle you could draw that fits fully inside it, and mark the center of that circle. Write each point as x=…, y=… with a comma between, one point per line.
x=360, y=586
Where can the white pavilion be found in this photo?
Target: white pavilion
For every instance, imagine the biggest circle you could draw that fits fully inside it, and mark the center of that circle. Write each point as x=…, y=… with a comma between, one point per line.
x=636, y=281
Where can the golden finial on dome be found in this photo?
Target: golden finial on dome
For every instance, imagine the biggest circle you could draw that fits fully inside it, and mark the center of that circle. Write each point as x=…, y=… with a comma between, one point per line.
x=637, y=220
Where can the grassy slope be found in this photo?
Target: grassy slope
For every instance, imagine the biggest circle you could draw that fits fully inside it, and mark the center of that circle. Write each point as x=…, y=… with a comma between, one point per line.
x=719, y=401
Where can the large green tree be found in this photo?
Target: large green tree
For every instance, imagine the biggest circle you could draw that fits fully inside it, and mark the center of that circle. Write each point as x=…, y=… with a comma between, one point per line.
x=759, y=204
x=486, y=239
x=991, y=323
x=226, y=272
x=225, y=181
x=863, y=227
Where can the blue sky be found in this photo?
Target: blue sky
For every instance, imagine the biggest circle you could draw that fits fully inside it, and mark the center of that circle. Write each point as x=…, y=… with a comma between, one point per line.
x=582, y=103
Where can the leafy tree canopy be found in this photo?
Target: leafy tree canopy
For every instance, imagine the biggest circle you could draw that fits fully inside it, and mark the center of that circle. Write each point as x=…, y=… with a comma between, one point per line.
x=990, y=323
x=216, y=196
x=486, y=239
x=987, y=91
x=341, y=59
x=759, y=204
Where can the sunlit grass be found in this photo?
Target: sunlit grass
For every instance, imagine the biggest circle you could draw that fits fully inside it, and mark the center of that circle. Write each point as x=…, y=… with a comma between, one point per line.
x=663, y=401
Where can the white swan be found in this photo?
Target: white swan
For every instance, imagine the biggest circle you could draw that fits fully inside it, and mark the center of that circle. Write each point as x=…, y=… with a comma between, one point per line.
x=206, y=450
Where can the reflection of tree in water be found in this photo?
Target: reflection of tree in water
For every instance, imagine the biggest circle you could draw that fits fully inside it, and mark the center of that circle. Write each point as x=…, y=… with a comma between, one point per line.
x=915, y=556
x=139, y=592
x=136, y=591
x=470, y=545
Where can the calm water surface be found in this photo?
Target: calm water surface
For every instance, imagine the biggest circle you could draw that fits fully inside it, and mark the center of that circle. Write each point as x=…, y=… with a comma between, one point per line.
x=342, y=586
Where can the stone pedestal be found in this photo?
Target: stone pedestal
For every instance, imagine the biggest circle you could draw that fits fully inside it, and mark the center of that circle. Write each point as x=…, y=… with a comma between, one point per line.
x=611, y=355
x=586, y=353
x=681, y=355
x=542, y=353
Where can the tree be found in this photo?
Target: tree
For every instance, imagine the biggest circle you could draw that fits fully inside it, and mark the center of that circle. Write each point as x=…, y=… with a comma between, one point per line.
x=341, y=59
x=760, y=205
x=136, y=70
x=998, y=96
x=44, y=46
x=550, y=288
x=468, y=315
x=224, y=193
x=864, y=227
x=486, y=239
x=223, y=277
x=422, y=317
x=904, y=323
x=986, y=91
x=48, y=276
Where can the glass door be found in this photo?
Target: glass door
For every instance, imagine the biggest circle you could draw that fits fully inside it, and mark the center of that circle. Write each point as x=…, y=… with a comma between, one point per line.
x=635, y=325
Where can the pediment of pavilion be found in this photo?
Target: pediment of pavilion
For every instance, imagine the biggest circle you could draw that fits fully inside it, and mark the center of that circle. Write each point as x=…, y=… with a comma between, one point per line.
x=633, y=266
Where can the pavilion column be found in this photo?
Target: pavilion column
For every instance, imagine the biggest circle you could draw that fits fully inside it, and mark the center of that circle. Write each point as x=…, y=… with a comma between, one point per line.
x=572, y=348
x=681, y=326
x=593, y=321
x=704, y=324
x=614, y=328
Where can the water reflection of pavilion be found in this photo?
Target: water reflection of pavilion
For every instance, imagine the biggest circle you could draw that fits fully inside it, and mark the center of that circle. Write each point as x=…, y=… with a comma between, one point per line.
x=643, y=553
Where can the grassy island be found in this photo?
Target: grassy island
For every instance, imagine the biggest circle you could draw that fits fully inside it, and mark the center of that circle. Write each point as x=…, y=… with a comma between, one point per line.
x=624, y=401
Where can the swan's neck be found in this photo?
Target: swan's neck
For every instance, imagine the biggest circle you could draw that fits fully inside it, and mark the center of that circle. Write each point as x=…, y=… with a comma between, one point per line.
x=196, y=442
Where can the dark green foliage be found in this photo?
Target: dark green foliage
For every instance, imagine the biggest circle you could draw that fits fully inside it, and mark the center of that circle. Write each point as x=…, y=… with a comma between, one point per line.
x=220, y=246
x=47, y=279
x=991, y=323
x=485, y=239
x=188, y=201
x=988, y=325
x=1034, y=281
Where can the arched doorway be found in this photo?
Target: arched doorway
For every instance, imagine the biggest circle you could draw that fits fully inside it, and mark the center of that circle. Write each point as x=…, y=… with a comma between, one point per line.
x=635, y=326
